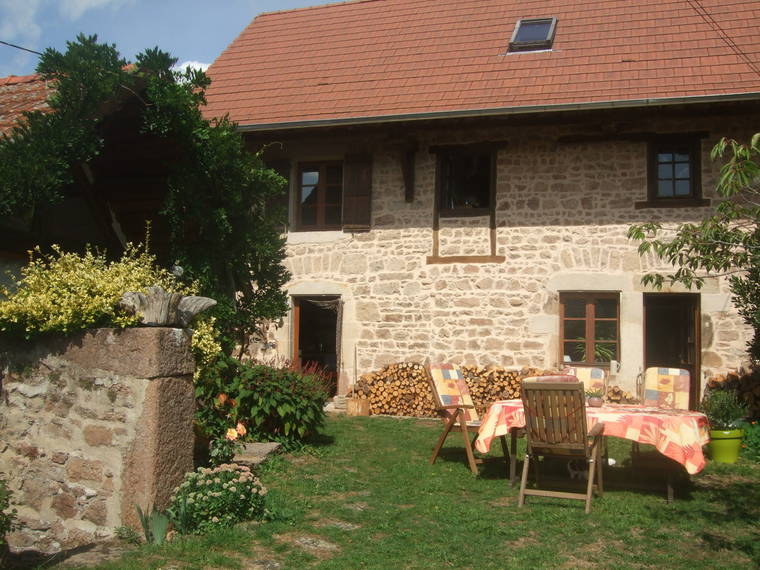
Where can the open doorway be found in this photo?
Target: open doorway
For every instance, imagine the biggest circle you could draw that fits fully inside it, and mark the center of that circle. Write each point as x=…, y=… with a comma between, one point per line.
x=672, y=337
x=316, y=334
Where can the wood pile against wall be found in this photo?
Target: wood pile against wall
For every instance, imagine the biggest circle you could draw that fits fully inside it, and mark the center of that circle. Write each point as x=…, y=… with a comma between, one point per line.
x=616, y=395
x=746, y=384
x=403, y=389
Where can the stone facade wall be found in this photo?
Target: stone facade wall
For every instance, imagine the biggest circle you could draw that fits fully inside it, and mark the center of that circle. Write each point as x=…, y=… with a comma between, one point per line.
x=91, y=426
x=562, y=213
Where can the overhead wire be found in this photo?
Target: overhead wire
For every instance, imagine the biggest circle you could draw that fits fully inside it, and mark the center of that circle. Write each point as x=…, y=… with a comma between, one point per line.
x=729, y=41
x=19, y=47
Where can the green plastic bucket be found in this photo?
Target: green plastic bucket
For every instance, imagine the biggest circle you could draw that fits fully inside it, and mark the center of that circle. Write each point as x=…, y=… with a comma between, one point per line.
x=725, y=445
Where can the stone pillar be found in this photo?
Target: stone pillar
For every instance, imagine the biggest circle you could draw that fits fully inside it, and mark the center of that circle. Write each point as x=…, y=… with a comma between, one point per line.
x=91, y=426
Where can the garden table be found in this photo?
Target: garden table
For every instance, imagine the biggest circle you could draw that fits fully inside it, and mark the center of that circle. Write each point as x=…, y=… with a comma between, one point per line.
x=677, y=434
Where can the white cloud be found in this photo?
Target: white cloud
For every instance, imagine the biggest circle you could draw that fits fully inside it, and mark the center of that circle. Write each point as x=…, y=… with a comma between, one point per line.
x=18, y=21
x=18, y=26
x=74, y=9
x=193, y=64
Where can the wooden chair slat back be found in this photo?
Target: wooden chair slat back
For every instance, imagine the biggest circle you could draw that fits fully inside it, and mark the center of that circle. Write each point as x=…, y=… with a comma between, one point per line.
x=555, y=416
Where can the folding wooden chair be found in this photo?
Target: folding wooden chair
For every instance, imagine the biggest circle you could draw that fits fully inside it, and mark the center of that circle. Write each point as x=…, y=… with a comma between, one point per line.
x=555, y=425
x=454, y=404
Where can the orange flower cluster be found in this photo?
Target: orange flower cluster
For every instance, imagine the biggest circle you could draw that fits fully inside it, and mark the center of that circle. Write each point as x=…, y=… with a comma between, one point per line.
x=238, y=431
x=223, y=399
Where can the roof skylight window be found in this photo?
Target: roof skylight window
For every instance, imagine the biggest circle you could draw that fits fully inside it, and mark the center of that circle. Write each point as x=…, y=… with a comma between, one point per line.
x=532, y=34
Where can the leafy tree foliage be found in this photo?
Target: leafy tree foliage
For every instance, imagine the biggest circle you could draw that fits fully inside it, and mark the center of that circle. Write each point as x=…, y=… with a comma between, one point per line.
x=223, y=232
x=36, y=160
x=724, y=244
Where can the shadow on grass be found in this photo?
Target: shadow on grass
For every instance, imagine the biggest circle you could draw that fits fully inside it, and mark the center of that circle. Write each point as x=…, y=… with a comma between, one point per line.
x=87, y=555
x=734, y=506
x=648, y=479
x=320, y=439
x=492, y=466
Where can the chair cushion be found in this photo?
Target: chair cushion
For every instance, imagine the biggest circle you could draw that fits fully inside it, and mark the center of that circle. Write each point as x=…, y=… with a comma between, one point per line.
x=592, y=378
x=451, y=390
x=667, y=388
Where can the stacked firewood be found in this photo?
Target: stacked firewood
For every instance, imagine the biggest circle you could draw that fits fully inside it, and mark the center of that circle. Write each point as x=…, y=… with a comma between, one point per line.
x=491, y=383
x=616, y=395
x=403, y=389
x=400, y=389
x=746, y=384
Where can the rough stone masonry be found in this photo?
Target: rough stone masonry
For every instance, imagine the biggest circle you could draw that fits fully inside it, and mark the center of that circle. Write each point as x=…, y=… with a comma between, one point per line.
x=91, y=426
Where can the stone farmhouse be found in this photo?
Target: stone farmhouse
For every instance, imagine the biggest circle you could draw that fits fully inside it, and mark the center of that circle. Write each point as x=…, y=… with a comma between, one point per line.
x=462, y=175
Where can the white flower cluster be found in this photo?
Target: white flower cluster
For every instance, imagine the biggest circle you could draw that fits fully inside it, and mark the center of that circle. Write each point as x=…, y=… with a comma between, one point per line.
x=220, y=496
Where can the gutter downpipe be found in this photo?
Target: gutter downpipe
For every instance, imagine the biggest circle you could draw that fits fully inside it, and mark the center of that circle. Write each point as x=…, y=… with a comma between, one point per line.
x=690, y=100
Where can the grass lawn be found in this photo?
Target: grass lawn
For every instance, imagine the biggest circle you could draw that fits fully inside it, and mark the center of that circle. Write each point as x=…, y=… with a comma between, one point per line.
x=365, y=496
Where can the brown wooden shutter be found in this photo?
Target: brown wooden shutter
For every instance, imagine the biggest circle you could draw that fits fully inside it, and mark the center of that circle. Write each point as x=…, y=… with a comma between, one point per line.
x=357, y=192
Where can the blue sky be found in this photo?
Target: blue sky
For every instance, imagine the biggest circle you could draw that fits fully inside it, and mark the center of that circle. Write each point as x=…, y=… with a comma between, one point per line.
x=191, y=30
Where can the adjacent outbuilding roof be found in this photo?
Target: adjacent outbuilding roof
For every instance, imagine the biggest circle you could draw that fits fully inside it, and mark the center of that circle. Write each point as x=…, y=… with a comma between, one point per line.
x=19, y=93
x=378, y=60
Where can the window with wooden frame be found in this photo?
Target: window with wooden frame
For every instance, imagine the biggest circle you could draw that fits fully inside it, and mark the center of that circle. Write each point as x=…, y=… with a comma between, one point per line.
x=673, y=172
x=320, y=195
x=335, y=195
x=589, y=328
x=466, y=180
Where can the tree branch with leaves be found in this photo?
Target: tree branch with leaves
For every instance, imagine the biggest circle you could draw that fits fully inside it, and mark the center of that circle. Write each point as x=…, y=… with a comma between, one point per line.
x=726, y=244
x=224, y=231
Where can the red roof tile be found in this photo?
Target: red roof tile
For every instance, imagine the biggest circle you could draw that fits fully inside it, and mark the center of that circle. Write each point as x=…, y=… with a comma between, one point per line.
x=19, y=94
x=374, y=59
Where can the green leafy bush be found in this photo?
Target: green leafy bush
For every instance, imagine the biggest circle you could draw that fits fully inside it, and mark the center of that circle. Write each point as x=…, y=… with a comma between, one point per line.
x=723, y=408
x=68, y=292
x=7, y=515
x=262, y=403
x=218, y=497
x=751, y=441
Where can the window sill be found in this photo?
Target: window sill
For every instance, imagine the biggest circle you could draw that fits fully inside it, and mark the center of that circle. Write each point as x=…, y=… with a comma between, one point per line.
x=673, y=203
x=465, y=213
x=302, y=236
x=438, y=259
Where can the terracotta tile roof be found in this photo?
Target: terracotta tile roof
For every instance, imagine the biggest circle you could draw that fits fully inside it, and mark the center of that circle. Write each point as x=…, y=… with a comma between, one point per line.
x=19, y=94
x=384, y=58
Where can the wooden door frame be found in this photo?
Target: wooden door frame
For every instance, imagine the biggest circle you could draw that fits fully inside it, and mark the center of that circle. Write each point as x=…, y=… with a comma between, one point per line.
x=296, y=333
x=296, y=328
x=695, y=388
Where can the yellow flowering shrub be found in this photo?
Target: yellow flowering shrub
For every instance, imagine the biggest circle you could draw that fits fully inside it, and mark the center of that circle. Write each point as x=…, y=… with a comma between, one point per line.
x=205, y=344
x=67, y=292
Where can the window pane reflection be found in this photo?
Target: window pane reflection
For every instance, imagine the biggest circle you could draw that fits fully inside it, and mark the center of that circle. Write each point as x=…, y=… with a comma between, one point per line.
x=575, y=329
x=575, y=308
x=605, y=308
x=308, y=195
x=309, y=178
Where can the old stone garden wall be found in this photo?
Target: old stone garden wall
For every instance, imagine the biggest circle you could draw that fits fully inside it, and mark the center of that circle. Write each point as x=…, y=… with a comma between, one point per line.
x=91, y=426
x=562, y=213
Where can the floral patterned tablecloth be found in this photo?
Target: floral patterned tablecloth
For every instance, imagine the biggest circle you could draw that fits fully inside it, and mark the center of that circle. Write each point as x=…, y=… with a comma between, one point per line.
x=678, y=434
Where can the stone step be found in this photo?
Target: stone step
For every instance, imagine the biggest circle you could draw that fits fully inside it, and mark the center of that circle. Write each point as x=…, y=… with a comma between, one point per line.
x=254, y=454
x=336, y=405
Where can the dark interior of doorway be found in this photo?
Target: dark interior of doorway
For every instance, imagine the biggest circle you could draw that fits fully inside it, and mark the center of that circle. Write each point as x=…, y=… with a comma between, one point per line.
x=317, y=338
x=672, y=335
